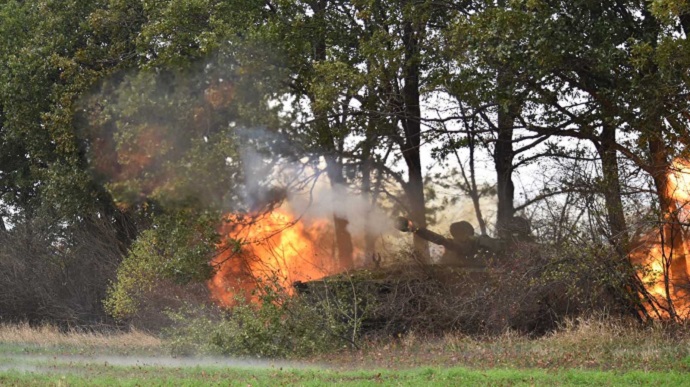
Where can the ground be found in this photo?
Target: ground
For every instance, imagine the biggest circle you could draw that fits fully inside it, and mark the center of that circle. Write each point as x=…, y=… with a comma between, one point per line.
x=592, y=352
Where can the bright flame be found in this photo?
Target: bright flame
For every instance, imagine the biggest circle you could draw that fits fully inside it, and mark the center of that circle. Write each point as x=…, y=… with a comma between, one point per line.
x=664, y=255
x=679, y=188
x=276, y=248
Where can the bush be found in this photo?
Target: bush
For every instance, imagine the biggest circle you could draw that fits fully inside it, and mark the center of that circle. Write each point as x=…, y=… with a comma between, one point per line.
x=531, y=290
x=175, y=253
x=276, y=324
x=57, y=273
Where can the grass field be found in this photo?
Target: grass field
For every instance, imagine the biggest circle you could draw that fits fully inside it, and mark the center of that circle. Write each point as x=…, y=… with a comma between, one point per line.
x=104, y=374
x=593, y=352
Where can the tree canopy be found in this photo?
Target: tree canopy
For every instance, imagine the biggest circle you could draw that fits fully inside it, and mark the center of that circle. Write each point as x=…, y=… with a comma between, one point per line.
x=139, y=116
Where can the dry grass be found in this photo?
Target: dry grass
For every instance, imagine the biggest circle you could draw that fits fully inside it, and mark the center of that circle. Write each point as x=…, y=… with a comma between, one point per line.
x=50, y=336
x=598, y=343
x=601, y=343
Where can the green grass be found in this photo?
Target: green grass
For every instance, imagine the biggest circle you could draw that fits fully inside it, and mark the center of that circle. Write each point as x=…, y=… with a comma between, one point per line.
x=78, y=375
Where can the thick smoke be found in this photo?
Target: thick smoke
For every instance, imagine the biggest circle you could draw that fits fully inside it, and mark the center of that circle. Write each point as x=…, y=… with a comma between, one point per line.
x=301, y=184
x=363, y=217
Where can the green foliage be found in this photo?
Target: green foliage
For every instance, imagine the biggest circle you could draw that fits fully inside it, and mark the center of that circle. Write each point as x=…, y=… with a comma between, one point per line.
x=164, y=136
x=179, y=248
x=666, y=10
x=124, y=111
x=52, y=54
x=276, y=324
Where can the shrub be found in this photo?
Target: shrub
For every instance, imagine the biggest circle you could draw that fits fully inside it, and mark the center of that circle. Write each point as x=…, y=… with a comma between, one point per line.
x=176, y=251
x=531, y=290
x=54, y=272
x=276, y=324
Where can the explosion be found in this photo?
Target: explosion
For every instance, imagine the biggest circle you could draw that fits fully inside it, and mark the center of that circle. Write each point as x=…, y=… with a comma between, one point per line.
x=663, y=257
x=273, y=249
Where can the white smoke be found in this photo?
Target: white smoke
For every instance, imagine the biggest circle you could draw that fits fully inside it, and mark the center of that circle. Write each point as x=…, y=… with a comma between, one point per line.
x=325, y=201
x=308, y=192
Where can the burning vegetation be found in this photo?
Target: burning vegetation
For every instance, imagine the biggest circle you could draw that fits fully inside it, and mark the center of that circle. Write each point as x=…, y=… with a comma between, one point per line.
x=277, y=248
x=281, y=248
x=661, y=260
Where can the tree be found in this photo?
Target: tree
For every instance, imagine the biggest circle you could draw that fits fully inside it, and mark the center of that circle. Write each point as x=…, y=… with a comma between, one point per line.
x=596, y=73
x=318, y=42
x=44, y=77
x=487, y=76
x=49, y=60
x=163, y=139
x=397, y=47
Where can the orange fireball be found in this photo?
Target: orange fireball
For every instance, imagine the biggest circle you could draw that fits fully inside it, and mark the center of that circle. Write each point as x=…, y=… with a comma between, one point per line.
x=277, y=248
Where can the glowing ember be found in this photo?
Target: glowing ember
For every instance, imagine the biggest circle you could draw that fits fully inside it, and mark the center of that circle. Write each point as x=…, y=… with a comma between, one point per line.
x=276, y=248
x=664, y=255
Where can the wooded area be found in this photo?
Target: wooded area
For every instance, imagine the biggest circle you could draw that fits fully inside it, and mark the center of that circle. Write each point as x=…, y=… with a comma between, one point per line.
x=125, y=127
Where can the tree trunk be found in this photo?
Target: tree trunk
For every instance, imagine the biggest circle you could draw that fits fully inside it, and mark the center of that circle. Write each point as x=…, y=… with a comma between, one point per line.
x=369, y=237
x=629, y=293
x=503, y=160
x=368, y=145
x=411, y=122
x=415, y=194
x=672, y=234
x=503, y=150
x=334, y=167
x=473, y=190
x=470, y=179
x=343, y=239
x=611, y=191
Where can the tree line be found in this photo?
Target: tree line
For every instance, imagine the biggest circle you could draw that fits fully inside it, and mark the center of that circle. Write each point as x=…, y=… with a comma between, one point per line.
x=122, y=118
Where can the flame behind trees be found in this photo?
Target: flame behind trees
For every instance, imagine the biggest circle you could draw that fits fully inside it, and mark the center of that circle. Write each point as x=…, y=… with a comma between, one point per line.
x=272, y=249
x=662, y=259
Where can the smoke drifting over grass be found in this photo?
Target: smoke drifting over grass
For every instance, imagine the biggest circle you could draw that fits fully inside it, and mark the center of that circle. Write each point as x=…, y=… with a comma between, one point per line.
x=58, y=363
